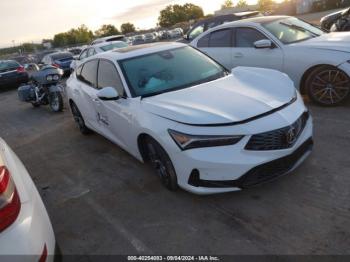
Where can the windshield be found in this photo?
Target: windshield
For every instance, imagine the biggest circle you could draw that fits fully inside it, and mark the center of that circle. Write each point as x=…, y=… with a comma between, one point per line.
x=291, y=30
x=169, y=70
x=113, y=46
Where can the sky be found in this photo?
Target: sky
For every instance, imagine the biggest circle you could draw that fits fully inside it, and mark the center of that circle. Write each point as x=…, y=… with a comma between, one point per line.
x=33, y=20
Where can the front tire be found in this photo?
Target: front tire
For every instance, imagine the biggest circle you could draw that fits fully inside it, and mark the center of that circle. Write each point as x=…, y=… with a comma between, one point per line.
x=79, y=120
x=161, y=163
x=328, y=86
x=56, y=102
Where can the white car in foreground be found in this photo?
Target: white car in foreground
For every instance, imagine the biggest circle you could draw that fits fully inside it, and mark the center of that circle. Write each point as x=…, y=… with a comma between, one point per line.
x=25, y=228
x=96, y=49
x=204, y=128
x=317, y=62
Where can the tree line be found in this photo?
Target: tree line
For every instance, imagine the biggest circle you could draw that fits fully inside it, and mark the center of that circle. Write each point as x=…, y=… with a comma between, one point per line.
x=83, y=35
x=170, y=16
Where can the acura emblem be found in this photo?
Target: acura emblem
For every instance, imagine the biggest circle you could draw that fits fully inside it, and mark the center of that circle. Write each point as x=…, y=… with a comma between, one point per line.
x=291, y=135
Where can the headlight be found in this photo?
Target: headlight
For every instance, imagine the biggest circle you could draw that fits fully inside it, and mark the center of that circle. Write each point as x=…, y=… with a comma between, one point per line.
x=185, y=141
x=49, y=78
x=55, y=77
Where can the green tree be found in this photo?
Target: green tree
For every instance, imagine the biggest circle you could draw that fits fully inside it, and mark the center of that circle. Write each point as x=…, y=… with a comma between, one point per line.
x=227, y=4
x=127, y=28
x=265, y=5
x=173, y=14
x=107, y=30
x=59, y=40
x=81, y=35
x=242, y=3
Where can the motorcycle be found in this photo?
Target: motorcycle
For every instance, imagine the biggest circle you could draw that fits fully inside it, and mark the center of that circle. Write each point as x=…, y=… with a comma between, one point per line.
x=44, y=88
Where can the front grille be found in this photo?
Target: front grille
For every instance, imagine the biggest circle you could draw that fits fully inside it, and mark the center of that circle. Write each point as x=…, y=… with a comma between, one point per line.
x=274, y=169
x=278, y=139
x=259, y=174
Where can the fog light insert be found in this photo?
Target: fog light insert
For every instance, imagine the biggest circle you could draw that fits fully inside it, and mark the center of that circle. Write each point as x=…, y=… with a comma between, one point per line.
x=194, y=179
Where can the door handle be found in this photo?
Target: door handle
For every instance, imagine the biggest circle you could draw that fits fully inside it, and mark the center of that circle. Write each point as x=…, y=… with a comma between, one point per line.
x=238, y=55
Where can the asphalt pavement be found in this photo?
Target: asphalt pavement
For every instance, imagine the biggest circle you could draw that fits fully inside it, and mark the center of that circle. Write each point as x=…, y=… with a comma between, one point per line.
x=103, y=201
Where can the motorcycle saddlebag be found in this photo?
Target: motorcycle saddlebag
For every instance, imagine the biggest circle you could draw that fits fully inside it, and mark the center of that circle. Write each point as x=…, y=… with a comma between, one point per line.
x=26, y=93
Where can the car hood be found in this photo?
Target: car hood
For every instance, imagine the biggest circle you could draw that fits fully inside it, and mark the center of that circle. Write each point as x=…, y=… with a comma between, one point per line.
x=244, y=94
x=336, y=41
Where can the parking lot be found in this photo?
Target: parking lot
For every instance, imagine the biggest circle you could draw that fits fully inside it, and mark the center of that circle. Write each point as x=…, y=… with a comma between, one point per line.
x=102, y=201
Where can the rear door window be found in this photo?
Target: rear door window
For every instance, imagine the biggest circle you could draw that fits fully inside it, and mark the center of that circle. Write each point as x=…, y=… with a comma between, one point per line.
x=220, y=38
x=108, y=76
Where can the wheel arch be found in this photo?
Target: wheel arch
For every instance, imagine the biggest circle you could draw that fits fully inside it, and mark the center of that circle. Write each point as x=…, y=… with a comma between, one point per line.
x=141, y=145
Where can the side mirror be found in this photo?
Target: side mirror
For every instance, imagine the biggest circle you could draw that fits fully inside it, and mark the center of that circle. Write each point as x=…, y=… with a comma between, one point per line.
x=108, y=94
x=265, y=43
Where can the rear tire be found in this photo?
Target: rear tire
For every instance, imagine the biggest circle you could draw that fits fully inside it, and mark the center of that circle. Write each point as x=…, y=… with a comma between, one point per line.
x=328, y=86
x=161, y=163
x=79, y=120
x=56, y=102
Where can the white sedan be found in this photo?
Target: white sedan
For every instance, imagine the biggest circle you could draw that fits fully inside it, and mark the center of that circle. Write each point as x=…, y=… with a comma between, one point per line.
x=317, y=62
x=202, y=127
x=96, y=49
x=25, y=227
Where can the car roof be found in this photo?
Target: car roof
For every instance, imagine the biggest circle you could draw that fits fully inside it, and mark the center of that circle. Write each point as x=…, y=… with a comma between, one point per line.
x=58, y=53
x=104, y=39
x=105, y=43
x=252, y=21
x=139, y=50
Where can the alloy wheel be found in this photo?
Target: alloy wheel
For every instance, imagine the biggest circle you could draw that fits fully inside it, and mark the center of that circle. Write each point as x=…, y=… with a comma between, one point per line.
x=158, y=164
x=330, y=87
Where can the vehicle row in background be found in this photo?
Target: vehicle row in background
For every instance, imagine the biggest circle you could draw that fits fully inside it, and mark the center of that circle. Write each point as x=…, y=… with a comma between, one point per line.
x=96, y=49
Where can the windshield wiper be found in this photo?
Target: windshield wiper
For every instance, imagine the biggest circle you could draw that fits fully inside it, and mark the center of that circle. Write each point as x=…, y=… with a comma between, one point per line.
x=302, y=29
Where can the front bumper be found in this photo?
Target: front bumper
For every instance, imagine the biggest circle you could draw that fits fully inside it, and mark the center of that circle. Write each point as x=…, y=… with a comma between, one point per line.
x=227, y=168
x=259, y=174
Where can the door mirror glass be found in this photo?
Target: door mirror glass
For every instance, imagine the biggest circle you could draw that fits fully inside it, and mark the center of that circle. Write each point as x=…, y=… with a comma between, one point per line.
x=108, y=93
x=264, y=43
